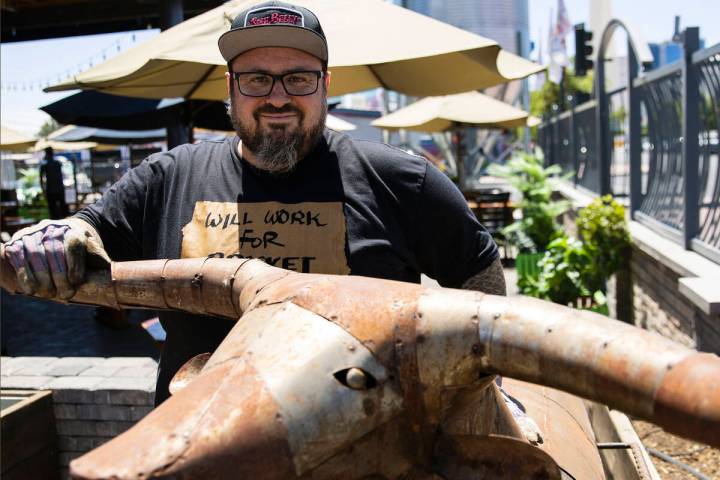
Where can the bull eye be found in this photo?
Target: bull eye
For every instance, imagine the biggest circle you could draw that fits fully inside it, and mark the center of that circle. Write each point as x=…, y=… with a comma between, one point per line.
x=356, y=378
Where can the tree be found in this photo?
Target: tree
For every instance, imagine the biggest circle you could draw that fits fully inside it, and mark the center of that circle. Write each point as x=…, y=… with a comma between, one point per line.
x=543, y=99
x=48, y=127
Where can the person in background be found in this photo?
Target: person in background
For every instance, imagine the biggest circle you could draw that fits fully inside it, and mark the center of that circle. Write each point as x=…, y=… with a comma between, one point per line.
x=51, y=182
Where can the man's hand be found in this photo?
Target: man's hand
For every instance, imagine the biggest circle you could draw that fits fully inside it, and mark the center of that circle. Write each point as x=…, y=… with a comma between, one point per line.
x=49, y=258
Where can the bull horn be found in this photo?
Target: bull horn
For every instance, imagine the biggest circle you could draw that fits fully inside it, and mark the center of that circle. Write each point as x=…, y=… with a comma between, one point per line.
x=433, y=339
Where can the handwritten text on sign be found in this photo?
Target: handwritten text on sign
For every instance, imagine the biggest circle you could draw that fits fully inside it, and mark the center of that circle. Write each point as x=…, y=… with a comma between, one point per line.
x=305, y=237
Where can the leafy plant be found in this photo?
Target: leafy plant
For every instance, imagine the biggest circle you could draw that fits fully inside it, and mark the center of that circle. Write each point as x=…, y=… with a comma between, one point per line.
x=539, y=225
x=603, y=229
x=28, y=186
x=564, y=269
x=575, y=269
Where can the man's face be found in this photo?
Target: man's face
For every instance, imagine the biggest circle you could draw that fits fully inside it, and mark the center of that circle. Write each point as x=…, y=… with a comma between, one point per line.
x=277, y=130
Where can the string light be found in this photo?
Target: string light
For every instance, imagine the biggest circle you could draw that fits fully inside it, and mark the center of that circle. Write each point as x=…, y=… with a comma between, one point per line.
x=110, y=50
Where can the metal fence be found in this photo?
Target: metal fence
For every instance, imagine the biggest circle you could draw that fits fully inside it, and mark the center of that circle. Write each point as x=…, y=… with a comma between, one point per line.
x=672, y=185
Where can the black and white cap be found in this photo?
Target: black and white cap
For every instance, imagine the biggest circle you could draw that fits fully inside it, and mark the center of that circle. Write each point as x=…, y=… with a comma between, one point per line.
x=274, y=24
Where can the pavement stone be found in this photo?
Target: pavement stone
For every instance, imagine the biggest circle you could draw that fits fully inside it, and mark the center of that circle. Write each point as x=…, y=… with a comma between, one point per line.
x=71, y=361
x=65, y=411
x=38, y=327
x=26, y=382
x=104, y=412
x=100, y=371
x=124, y=397
x=73, y=396
x=10, y=365
x=127, y=383
x=111, y=429
x=75, y=383
x=137, y=372
x=130, y=362
x=139, y=412
x=76, y=427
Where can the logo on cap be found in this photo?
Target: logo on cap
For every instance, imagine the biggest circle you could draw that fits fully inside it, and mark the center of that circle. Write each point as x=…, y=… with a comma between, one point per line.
x=274, y=16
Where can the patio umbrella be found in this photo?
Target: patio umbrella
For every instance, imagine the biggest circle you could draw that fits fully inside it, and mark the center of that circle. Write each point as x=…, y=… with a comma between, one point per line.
x=12, y=141
x=101, y=110
x=338, y=124
x=73, y=133
x=372, y=44
x=438, y=114
x=59, y=146
x=109, y=114
x=450, y=112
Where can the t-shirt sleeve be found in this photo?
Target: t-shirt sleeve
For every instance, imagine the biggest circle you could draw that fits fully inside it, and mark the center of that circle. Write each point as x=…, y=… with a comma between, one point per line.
x=121, y=216
x=451, y=245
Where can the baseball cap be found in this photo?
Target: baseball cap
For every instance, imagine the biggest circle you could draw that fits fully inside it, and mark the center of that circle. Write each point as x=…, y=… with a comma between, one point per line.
x=274, y=24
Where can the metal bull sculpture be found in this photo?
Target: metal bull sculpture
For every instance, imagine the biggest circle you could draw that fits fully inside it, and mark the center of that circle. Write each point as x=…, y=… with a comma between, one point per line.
x=349, y=377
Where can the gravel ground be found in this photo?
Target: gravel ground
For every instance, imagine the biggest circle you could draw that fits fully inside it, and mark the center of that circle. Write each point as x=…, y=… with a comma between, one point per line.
x=702, y=458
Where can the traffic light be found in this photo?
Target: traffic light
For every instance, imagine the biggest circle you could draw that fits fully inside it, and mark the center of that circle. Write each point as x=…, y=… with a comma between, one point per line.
x=583, y=50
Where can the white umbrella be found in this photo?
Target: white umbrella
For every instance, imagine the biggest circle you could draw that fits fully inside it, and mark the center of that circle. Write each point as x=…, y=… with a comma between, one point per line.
x=13, y=141
x=372, y=44
x=437, y=114
x=338, y=124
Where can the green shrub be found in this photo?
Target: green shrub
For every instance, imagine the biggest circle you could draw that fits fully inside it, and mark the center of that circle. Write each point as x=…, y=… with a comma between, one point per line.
x=539, y=225
x=573, y=269
x=603, y=229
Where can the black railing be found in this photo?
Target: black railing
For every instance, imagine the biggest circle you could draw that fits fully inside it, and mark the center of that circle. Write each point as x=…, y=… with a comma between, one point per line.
x=677, y=191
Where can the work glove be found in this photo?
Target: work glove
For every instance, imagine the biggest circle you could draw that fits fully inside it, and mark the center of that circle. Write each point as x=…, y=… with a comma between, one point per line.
x=49, y=258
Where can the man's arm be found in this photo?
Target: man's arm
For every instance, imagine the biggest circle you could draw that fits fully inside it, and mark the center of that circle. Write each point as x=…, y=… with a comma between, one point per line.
x=491, y=280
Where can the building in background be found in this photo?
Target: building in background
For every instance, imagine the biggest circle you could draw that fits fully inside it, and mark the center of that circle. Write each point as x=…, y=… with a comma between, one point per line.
x=505, y=21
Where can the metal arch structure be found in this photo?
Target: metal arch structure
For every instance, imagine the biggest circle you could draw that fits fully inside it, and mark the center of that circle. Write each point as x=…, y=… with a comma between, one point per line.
x=638, y=54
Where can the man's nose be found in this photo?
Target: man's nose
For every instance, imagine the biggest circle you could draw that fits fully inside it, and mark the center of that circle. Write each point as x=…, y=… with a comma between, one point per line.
x=278, y=96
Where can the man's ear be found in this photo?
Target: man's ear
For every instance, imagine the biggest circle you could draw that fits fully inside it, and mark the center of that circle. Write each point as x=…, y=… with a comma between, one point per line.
x=326, y=77
x=228, y=79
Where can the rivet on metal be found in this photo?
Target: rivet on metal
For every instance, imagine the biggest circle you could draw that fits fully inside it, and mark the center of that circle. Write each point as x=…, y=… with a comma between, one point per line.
x=356, y=379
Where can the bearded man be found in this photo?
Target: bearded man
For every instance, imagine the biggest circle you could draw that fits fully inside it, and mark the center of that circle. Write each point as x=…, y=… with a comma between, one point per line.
x=285, y=189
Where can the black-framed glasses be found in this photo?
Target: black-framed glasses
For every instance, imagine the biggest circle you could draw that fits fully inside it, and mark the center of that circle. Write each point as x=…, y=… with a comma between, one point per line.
x=260, y=84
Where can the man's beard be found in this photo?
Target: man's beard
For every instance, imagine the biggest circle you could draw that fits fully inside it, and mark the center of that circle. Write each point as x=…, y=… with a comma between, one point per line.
x=278, y=148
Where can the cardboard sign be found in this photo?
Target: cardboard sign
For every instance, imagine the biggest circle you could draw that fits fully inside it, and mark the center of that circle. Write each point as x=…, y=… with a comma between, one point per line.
x=305, y=237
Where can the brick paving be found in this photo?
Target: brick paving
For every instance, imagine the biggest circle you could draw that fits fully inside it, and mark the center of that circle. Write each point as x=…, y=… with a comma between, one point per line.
x=35, y=327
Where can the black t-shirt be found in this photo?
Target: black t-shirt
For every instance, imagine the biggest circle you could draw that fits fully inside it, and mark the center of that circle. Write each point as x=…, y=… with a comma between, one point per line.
x=356, y=207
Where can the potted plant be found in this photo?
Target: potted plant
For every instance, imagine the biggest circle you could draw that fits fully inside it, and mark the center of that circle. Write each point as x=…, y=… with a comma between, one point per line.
x=539, y=225
x=575, y=272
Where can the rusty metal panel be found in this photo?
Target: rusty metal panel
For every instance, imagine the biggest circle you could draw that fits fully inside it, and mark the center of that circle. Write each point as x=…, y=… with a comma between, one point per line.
x=140, y=284
x=565, y=428
x=688, y=401
x=296, y=354
x=580, y=352
x=467, y=457
x=223, y=426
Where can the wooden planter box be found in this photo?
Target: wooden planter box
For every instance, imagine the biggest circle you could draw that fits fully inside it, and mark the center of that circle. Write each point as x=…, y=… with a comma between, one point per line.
x=29, y=440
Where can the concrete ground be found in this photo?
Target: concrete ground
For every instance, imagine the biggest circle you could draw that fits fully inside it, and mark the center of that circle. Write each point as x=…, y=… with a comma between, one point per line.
x=35, y=327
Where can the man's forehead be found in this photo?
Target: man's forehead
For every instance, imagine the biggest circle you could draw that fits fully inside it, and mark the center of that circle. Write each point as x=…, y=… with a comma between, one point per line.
x=276, y=58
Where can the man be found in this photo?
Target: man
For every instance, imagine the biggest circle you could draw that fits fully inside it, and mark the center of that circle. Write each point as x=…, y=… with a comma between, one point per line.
x=285, y=189
x=51, y=182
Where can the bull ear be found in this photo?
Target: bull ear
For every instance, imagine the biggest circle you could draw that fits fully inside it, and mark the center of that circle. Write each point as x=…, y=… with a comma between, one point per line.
x=188, y=372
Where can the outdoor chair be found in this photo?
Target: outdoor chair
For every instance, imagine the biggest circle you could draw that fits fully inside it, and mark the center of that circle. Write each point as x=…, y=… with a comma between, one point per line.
x=495, y=212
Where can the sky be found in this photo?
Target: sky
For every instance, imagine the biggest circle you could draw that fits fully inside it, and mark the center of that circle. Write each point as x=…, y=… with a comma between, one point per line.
x=24, y=66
